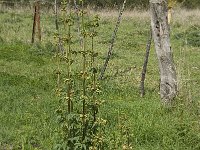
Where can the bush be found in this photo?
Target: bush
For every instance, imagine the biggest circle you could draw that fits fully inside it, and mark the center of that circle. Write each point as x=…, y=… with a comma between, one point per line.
x=130, y=3
x=113, y=3
x=190, y=3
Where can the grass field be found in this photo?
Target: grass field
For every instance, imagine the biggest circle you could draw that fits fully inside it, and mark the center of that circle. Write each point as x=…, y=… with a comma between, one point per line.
x=27, y=82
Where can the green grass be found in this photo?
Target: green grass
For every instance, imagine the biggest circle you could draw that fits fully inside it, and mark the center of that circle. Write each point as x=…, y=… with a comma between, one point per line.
x=27, y=85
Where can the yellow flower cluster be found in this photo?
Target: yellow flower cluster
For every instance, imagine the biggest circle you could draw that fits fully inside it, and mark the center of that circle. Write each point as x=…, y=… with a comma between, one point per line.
x=171, y=3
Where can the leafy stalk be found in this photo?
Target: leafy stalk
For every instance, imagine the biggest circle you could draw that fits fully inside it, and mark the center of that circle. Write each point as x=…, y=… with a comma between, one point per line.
x=84, y=73
x=69, y=61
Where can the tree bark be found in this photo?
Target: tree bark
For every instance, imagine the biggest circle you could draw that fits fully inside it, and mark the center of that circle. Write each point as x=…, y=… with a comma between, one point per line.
x=161, y=36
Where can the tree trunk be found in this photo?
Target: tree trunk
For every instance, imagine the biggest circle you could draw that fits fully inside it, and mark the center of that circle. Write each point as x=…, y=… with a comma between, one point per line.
x=161, y=36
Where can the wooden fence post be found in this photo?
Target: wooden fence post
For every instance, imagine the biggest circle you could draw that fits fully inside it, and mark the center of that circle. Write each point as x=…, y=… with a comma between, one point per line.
x=36, y=21
x=110, y=51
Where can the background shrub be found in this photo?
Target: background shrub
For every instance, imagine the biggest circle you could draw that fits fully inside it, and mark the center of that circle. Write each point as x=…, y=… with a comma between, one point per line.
x=130, y=3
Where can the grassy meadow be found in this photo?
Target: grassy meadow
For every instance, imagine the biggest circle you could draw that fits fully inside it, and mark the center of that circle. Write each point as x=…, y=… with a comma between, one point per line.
x=28, y=82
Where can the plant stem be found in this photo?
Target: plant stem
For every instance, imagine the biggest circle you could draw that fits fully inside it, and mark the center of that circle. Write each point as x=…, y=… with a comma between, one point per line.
x=69, y=71
x=78, y=22
x=93, y=78
x=68, y=59
x=84, y=75
x=58, y=72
